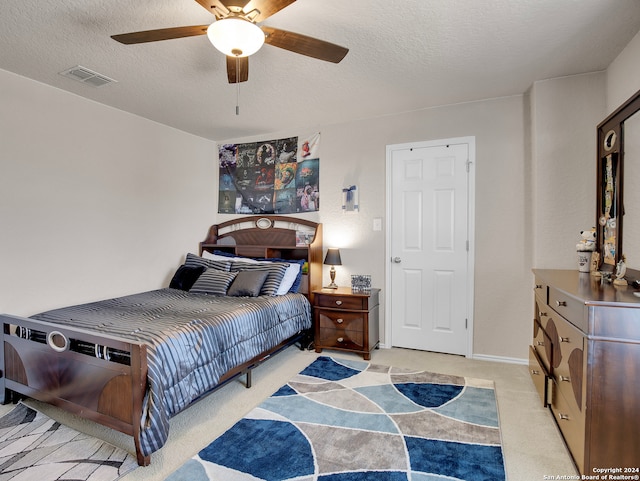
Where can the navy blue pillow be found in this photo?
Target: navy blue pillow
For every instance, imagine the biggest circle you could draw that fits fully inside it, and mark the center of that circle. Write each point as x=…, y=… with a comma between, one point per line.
x=186, y=276
x=227, y=254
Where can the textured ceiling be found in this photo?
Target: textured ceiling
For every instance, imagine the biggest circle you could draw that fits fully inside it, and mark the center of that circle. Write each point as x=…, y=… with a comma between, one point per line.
x=404, y=55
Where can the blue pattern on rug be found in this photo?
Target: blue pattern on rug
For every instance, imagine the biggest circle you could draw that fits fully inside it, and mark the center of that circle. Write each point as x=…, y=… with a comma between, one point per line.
x=342, y=420
x=474, y=405
x=327, y=368
x=276, y=450
x=389, y=399
x=457, y=460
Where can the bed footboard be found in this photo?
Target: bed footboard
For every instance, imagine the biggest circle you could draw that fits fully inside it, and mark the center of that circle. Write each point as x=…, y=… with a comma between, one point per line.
x=97, y=377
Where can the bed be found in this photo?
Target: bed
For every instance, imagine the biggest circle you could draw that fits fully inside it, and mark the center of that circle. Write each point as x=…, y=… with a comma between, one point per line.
x=133, y=362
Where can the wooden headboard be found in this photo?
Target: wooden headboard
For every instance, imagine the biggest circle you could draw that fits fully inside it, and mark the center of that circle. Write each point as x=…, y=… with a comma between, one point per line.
x=272, y=237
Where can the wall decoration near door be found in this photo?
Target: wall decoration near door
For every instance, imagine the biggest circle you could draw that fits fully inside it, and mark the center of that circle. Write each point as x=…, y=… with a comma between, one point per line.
x=270, y=177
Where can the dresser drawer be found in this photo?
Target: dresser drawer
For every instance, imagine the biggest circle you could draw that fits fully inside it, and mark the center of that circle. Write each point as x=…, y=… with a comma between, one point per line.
x=572, y=425
x=569, y=372
x=351, y=321
x=539, y=376
x=542, y=346
x=342, y=302
x=568, y=307
x=541, y=290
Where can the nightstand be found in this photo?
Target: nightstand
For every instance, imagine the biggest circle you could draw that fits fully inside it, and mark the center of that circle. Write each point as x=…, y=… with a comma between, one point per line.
x=346, y=321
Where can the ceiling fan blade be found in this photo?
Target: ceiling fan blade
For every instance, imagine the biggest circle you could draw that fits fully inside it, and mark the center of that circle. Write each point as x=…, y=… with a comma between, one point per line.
x=266, y=8
x=233, y=63
x=309, y=46
x=160, y=34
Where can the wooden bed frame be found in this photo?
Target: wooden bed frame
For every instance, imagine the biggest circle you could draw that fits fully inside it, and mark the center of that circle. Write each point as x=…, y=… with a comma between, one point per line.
x=104, y=378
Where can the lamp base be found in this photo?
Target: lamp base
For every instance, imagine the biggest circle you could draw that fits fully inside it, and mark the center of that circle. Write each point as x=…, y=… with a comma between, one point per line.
x=332, y=275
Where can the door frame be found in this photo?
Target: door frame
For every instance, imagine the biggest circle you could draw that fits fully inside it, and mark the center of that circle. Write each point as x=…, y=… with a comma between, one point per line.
x=471, y=201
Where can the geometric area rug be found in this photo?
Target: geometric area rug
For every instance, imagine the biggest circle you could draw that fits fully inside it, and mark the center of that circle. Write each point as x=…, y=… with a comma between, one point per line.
x=35, y=447
x=350, y=420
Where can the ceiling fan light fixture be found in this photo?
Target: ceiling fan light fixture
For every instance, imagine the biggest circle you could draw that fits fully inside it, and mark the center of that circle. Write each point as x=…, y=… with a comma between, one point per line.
x=236, y=37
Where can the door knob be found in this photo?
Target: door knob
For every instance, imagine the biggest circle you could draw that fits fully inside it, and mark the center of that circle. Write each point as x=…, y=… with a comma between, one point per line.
x=397, y=260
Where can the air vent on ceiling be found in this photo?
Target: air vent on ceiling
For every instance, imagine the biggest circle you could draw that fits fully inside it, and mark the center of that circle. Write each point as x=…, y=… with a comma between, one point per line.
x=88, y=76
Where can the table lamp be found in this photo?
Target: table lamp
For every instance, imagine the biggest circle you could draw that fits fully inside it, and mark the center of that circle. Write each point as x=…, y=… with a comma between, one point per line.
x=333, y=259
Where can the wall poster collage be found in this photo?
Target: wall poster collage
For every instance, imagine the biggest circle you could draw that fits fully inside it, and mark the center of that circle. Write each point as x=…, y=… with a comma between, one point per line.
x=270, y=177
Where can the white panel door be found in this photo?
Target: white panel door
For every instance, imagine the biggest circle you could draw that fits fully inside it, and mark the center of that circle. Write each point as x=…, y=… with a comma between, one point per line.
x=429, y=246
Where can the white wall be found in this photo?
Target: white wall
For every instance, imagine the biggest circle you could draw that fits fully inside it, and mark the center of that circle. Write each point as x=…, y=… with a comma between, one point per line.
x=565, y=113
x=623, y=75
x=94, y=202
x=355, y=153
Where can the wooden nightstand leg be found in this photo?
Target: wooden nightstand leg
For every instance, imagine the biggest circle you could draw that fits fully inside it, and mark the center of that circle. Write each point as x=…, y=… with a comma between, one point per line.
x=318, y=349
x=367, y=356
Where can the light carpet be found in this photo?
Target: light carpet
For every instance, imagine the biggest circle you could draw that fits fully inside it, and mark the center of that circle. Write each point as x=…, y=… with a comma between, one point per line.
x=345, y=420
x=35, y=447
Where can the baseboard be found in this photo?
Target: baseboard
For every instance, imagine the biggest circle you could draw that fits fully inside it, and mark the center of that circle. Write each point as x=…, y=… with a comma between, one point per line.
x=509, y=360
x=484, y=357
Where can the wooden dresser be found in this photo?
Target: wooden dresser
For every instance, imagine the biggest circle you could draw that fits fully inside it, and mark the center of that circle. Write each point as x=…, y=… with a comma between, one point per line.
x=585, y=363
x=346, y=320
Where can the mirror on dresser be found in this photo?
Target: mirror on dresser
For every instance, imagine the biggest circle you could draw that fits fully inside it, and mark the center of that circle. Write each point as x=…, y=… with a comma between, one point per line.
x=618, y=185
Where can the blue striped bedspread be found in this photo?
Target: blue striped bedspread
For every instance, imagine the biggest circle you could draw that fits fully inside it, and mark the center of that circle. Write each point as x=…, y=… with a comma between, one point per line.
x=193, y=339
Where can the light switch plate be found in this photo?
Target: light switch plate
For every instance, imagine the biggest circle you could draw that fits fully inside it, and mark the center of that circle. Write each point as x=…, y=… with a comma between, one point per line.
x=377, y=223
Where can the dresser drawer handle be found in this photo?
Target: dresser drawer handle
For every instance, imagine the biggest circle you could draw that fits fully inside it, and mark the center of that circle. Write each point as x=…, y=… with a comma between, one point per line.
x=339, y=321
x=564, y=339
x=561, y=303
x=564, y=417
x=338, y=303
x=543, y=314
x=535, y=372
x=340, y=339
x=540, y=343
x=565, y=378
x=538, y=286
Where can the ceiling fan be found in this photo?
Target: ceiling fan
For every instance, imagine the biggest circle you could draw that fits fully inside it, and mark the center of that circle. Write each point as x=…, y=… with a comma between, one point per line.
x=236, y=34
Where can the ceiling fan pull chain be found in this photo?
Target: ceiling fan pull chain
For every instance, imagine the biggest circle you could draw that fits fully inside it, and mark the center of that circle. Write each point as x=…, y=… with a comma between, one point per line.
x=237, y=85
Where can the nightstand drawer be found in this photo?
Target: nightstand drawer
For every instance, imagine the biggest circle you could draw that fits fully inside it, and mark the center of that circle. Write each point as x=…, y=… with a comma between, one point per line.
x=353, y=321
x=340, y=338
x=341, y=302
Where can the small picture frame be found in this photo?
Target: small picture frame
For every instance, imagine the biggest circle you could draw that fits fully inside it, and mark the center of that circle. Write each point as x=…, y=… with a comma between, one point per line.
x=303, y=238
x=361, y=283
x=350, y=201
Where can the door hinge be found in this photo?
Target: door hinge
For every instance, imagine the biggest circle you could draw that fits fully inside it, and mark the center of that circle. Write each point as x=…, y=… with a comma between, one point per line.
x=467, y=246
x=468, y=165
x=466, y=323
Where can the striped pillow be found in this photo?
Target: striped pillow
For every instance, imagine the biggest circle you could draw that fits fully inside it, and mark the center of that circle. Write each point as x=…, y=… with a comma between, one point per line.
x=213, y=281
x=193, y=260
x=276, y=272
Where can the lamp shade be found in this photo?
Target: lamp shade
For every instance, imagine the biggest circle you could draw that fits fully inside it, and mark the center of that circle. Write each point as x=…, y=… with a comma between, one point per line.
x=333, y=257
x=235, y=37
